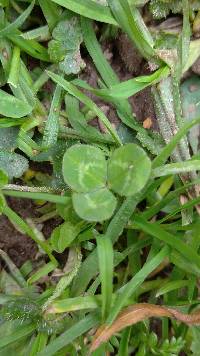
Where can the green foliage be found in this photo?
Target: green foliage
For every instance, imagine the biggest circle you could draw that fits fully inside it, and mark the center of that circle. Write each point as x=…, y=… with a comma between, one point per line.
x=3, y=178
x=64, y=235
x=95, y=205
x=149, y=344
x=84, y=168
x=65, y=46
x=87, y=172
x=13, y=164
x=13, y=107
x=127, y=219
x=129, y=170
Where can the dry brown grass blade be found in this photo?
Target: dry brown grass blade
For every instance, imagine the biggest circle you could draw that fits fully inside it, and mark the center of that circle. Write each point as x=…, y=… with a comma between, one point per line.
x=139, y=312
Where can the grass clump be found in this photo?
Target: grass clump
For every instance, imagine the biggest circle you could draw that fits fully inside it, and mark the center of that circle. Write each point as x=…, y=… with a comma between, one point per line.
x=126, y=198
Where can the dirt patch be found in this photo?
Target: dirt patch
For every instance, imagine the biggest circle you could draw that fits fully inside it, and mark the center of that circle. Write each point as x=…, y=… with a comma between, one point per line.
x=19, y=247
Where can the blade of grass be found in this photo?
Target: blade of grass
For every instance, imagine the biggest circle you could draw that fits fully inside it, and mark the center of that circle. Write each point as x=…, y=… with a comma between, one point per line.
x=27, y=230
x=53, y=198
x=33, y=48
x=187, y=205
x=18, y=22
x=52, y=125
x=51, y=12
x=105, y=258
x=15, y=272
x=149, y=213
x=21, y=332
x=132, y=23
x=42, y=272
x=172, y=240
x=171, y=286
x=135, y=282
x=109, y=77
x=71, y=89
x=169, y=148
x=13, y=78
x=73, y=304
x=89, y=267
x=88, y=8
x=78, y=329
x=176, y=168
x=8, y=122
x=128, y=88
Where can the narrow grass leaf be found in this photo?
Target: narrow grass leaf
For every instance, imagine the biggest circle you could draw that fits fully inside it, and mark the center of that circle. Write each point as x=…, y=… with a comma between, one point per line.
x=128, y=88
x=32, y=47
x=71, y=89
x=52, y=125
x=74, y=304
x=88, y=8
x=27, y=230
x=42, y=272
x=78, y=329
x=171, y=286
x=18, y=22
x=169, y=148
x=13, y=78
x=172, y=240
x=106, y=266
x=13, y=107
x=39, y=343
x=89, y=267
x=158, y=206
x=36, y=195
x=135, y=282
x=18, y=334
x=176, y=168
x=51, y=12
x=132, y=23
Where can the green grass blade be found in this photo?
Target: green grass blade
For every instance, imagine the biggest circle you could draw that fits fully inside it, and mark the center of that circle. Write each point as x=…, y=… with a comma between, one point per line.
x=71, y=89
x=177, y=168
x=168, y=149
x=53, y=198
x=105, y=258
x=121, y=218
x=69, y=336
x=13, y=78
x=132, y=23
x=153, y=210
x=88, y=8
x=190, y=204
x=171, y=286
x=74, y=304
x=18, y=22
x=128, y=88
x=39, y=343
x=52, y=125
x=107, y=73
x=20, y=333
x=8, y=122
x=186, y=33
x=51, y=12
x=172, y=240
x=42, y=272
x=135, y=282
x=13, y=107
x=27, y=230
x=14, y=271
x=33, y=48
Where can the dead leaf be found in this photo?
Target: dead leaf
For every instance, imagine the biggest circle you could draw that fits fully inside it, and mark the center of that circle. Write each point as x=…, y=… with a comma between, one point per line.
x=138, y=312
